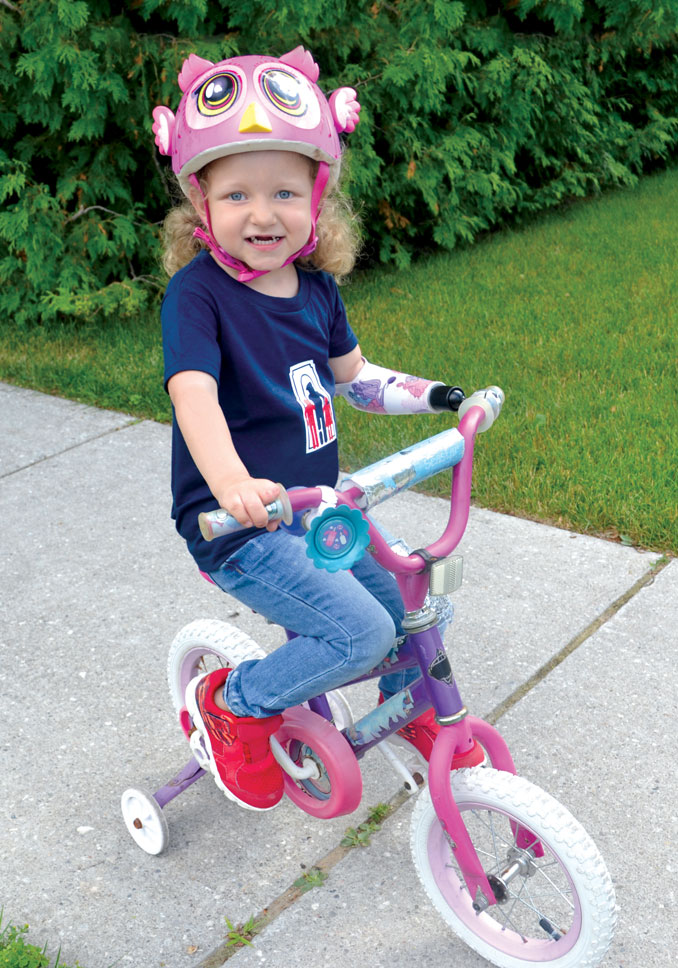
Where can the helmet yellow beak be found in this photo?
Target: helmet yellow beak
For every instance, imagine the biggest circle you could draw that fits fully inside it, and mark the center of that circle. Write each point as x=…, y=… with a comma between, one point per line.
x=254, y=119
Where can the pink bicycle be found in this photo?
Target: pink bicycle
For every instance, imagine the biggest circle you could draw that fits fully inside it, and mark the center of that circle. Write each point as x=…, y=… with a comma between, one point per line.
x=508, y=868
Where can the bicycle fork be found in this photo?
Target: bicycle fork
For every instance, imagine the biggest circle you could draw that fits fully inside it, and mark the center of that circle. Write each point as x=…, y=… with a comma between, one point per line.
x=457, y=733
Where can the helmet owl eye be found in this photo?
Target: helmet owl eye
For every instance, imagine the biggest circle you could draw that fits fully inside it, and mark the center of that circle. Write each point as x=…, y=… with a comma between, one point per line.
x=218, y=93
x=285, y=92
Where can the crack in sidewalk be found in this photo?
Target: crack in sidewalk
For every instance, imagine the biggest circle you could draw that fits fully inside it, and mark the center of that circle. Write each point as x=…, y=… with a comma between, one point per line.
x=521, y=691
x=227, y=949
x=132, y=422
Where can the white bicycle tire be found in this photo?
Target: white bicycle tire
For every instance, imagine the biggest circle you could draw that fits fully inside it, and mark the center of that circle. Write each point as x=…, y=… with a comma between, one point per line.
x=502, y=796
x=205, y=637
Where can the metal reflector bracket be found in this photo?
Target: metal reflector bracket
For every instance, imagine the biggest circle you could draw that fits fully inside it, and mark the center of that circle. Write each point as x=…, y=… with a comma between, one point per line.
x=446, y=575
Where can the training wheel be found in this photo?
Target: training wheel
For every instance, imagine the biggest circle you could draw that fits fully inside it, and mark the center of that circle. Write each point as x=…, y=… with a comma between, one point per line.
x=145, y=820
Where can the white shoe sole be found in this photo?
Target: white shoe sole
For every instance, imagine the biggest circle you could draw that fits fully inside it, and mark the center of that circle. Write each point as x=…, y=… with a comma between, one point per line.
x=197, y=719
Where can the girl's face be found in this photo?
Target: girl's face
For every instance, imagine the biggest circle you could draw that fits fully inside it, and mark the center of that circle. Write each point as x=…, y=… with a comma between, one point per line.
x=260, y=206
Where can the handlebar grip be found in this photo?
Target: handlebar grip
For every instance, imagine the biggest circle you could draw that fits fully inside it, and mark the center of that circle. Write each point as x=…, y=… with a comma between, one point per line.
x=216, y=524
x=442, y=397
x=491, y=400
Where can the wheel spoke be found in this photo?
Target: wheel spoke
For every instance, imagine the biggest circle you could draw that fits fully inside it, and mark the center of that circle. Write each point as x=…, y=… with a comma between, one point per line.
x=505, y=916
x=523, y=895
x=557, y=891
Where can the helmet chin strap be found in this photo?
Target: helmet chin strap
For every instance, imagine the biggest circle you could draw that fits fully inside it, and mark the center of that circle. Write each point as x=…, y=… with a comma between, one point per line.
x=245, y=274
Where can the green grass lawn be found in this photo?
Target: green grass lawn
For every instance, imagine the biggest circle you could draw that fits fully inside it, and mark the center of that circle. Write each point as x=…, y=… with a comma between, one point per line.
x=574, y=316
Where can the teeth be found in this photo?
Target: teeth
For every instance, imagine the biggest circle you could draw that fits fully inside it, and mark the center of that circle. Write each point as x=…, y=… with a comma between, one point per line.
x=268, y=240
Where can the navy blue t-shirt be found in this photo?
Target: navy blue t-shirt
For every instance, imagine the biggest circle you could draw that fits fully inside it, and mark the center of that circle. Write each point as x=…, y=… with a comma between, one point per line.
x=269, y=357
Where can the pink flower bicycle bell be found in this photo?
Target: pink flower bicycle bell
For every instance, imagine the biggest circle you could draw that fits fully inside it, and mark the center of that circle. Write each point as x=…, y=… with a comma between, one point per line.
x=253, y=103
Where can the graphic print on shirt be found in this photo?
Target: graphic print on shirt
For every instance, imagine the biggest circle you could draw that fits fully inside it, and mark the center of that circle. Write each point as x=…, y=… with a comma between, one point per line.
x=315, y=403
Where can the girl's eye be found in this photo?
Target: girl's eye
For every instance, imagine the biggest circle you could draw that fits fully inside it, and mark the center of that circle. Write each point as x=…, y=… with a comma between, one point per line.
x=218, y=94
x=284, y=91
x=284, y=193
x=236, y=196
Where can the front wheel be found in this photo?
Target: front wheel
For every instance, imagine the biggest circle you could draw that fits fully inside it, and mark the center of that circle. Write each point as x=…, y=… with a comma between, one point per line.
x=558, y=908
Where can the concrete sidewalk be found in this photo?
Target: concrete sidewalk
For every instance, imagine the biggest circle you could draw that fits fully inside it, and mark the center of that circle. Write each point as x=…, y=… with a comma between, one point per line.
x=95, y=584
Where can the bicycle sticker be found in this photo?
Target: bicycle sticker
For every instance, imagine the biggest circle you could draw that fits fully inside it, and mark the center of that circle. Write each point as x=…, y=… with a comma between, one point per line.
x=377, y=723
x=316, y=405
x=441, y=669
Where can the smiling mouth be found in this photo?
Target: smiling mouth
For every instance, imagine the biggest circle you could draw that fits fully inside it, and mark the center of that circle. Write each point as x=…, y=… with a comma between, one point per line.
x=264, y=239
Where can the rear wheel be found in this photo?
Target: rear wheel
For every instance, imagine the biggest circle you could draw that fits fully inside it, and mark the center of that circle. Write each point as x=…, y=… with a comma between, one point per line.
x=208, y=644
x=558, y=908
x=203, y=646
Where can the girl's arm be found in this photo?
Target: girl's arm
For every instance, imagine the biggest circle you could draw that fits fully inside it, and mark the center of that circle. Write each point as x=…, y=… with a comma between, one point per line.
x=205, y=430
x=378, y=389
x=347, y=367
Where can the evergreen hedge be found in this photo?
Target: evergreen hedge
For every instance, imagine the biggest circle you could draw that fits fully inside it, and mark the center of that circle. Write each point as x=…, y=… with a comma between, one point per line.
x=475, y=114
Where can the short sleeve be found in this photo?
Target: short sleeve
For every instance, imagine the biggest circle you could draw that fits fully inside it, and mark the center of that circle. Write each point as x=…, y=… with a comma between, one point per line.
x=189, y=329
x=342, y=337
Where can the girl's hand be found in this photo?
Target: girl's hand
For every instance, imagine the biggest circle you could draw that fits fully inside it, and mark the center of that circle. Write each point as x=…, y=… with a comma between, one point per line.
x=246, y=499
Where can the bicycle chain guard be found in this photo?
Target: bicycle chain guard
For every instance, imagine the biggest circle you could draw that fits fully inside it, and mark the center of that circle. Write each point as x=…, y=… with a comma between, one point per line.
x=337, y=538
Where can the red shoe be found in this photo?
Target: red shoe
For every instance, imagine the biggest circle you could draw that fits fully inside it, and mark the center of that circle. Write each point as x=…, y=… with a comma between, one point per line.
x=421, y=734
x=238, y=749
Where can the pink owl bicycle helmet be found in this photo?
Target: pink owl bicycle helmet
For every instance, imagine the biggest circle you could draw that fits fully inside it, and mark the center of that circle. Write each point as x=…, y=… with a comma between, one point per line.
x=253, y=103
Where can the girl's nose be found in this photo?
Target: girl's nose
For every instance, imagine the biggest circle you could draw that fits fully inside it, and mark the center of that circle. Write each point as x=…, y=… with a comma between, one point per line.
x=261, y=212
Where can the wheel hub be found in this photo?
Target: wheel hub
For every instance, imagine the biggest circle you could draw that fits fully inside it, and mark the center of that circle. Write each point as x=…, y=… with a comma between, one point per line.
x=521, y=864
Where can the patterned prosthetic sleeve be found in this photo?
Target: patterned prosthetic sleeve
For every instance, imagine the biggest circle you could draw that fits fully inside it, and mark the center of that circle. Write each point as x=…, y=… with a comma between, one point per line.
x=377, y=389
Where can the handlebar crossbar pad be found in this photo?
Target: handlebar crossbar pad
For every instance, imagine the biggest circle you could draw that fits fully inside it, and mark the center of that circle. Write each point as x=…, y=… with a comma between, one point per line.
x=387, y=477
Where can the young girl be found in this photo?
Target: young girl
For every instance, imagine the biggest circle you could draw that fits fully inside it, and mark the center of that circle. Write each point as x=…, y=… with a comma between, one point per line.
x=256, y=344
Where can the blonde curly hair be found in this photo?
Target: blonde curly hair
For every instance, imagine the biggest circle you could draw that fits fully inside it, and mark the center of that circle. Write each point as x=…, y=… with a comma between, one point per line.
x=337, y=232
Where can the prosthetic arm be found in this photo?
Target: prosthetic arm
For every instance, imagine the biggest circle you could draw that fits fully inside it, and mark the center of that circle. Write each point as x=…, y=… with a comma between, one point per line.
x=377, y=389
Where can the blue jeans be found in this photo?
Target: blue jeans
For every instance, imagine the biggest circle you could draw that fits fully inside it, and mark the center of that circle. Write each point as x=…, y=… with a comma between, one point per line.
x=345, y=623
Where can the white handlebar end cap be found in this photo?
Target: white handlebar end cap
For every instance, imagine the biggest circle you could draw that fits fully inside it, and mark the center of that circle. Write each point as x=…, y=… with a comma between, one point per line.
x=490, y=400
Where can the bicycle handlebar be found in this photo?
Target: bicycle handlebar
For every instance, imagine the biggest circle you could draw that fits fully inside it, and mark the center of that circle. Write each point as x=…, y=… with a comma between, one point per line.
x=377, y=482
x=216, y=524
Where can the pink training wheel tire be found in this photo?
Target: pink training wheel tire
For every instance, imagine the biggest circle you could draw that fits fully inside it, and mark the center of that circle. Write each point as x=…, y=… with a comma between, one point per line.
x=338, y=789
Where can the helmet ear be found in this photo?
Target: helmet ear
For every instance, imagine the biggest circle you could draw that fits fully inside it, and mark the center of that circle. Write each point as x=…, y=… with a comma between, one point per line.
x=163, y=126
x=345, y=109
x=303, y=61
x=192, y=67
